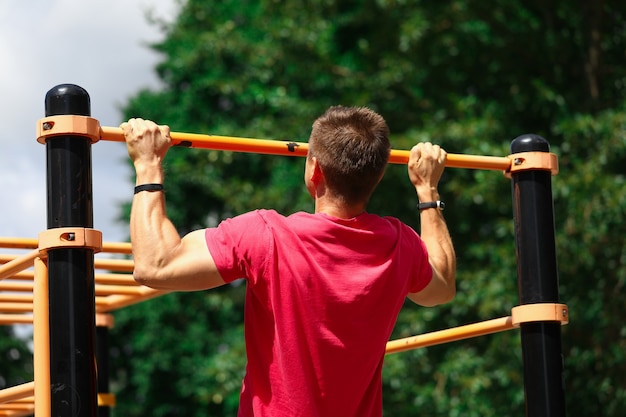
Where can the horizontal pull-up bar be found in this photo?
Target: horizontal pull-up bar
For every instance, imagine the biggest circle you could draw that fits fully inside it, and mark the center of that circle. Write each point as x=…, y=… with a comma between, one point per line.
x=89, y=127
x=286, y=148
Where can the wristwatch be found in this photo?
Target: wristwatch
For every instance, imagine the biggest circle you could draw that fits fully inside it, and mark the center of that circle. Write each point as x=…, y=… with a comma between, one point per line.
x=432, y=204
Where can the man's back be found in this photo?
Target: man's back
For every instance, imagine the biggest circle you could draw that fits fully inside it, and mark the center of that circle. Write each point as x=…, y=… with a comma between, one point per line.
x=323, y=293
x=323, y=297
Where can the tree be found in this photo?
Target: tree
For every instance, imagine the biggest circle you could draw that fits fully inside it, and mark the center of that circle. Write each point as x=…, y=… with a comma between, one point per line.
x=17, y=364
x=468, y=76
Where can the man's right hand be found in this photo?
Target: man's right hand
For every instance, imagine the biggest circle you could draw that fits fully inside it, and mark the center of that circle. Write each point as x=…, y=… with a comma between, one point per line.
x=147, y=142
x=425, y=166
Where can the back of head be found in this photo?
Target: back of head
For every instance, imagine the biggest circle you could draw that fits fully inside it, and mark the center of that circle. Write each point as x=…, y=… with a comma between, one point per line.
x=352, y=147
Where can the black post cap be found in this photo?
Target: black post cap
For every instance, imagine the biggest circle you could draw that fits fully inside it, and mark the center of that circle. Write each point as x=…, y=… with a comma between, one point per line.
x=529, y=143
x=67, y=99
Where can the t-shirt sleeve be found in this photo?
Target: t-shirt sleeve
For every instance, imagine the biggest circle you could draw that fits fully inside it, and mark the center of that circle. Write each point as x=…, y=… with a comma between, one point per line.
x=424, y=270
x=239, y=246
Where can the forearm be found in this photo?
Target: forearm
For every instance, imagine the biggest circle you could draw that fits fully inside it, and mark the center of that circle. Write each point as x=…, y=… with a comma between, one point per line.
x=162, y=259
x=434, y=232
x=154, y=238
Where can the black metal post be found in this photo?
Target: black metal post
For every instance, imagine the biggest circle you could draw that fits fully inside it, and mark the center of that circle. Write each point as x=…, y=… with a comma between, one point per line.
x=538, y=282
x=71, y=270
x=102, y=360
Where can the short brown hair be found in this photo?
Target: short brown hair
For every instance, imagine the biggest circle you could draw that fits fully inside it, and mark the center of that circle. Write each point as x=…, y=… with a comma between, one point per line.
x=352, y=147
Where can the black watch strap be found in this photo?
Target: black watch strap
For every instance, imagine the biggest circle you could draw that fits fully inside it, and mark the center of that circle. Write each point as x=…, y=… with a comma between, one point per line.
x=432, y=204
x=148, y=187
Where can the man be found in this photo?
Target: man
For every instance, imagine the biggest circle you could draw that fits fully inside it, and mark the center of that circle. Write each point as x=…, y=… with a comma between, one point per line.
x=323, y=289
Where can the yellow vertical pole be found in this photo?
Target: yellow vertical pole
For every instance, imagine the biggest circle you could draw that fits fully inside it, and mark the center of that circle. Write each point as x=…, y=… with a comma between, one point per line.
x=41, y=339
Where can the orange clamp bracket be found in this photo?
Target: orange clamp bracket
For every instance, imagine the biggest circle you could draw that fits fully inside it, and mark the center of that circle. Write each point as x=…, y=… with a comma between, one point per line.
x=525, y=161
x=70, y=237
x=106, y=399
x=540, y=312
x=105, y=320
x=68, y=125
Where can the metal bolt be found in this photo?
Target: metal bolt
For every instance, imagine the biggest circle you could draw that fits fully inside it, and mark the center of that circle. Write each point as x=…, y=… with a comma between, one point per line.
x=47, y=126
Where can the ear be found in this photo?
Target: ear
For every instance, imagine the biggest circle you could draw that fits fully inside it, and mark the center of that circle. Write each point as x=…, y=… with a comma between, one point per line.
x=316, y=173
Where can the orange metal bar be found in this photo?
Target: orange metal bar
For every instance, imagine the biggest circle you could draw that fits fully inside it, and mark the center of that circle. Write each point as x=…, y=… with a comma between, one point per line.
x=18, y=407
x=13, y=266
x=25, y=400
x=18, y=243
x=17, y=264
x=5, y=258
x=106, y=297
x=118, y=289
x=22, y=276
x=119, y=265
x=105, y=320
x=17, y=392
x=41, y=340
x=276, y=147
x=27, y=287
x=16, y=410
x=102, y=301
x=106, y=399
x=9, y=300
x=6, y=319
x=15, y=413
x=16, y=286
x=16, y=307
x=19, y=298
x=498, y=163
x=114, y=302
x=450, y=335
x=31, y=243
x=117, y=247
x=101, y=278
x=116, y=279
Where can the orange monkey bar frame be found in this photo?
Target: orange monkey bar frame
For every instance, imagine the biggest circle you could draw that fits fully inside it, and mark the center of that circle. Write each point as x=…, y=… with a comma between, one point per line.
x=24, y=300
x=24, y=291
x=24, y=296
x=87, y=126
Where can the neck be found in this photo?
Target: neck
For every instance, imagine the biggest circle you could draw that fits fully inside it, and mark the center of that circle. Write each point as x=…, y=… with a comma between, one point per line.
x=337, y=209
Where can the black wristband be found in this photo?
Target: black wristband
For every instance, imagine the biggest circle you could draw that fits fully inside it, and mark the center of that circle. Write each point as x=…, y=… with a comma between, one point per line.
x=148, y=187
x=432, y=204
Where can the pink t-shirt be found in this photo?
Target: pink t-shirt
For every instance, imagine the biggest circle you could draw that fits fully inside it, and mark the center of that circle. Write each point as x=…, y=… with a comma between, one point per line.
x=322, y=299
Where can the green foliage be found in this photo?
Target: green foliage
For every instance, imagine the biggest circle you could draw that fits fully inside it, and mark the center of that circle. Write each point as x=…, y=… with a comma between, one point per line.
x=590, y=196
x=468, y=75
x=16, y=361
x=181, y=354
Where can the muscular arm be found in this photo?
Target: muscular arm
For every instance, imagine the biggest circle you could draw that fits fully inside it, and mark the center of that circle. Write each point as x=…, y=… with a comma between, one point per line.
x=162, y=259
x=426, y=164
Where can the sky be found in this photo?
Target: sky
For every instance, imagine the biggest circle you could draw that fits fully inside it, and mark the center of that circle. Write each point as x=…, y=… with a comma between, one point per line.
x=100, y=45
